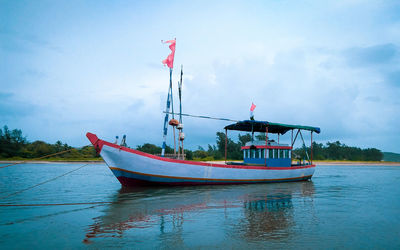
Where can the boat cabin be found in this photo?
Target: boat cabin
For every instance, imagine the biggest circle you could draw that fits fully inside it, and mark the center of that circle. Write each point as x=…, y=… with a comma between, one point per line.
x=273, y=154
x=269, y=152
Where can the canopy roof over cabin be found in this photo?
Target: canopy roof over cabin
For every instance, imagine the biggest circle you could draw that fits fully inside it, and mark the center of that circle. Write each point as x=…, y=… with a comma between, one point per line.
x=260, y=126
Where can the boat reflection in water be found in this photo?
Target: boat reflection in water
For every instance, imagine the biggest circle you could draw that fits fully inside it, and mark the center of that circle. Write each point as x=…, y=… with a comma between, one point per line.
x=261, y=211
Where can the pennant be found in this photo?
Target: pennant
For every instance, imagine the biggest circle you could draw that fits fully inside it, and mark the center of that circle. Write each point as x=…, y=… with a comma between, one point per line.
x=252, y=107
x=169, y=61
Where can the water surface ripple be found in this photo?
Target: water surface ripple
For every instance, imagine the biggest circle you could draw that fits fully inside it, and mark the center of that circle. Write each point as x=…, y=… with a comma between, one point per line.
x=343, y=206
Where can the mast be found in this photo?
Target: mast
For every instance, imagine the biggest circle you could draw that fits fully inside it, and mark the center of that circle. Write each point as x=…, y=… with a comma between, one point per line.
x=180, y=96
x=180, y=125
x=167, y=113
x=169, y=61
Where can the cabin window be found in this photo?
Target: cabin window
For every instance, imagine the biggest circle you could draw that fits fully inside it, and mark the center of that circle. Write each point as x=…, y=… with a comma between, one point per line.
x=253, y=153
x=281, y=153
x=262, y=155
x=275, y=153
x=271, y=153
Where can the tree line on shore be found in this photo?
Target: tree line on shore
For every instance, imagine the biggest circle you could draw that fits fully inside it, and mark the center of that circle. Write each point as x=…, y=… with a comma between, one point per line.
x=13, y=145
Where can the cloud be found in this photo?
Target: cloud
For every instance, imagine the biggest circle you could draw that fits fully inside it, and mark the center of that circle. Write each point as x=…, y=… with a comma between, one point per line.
x=23, y=42
x=333, y=65
x=11, y=107
x=372, y=56
x=393, y=78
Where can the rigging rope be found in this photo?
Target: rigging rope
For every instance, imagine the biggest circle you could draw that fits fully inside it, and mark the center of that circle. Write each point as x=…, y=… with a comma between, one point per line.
x=42, y=157
x=41, y=183
x=205, y=117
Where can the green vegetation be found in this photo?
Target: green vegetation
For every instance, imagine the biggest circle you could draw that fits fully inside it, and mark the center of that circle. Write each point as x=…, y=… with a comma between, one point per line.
x=388, y=156
x=340, y=152
x=153, y=149
x=217, y=152
x=15, y=147
x=330, y=151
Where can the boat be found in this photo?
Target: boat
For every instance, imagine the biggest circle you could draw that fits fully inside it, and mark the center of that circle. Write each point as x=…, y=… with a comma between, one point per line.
x=263, y=162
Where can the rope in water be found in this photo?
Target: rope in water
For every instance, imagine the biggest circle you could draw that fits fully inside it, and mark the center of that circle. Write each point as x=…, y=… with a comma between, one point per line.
x=57, y=204
x=41, y=183
x=42, y=157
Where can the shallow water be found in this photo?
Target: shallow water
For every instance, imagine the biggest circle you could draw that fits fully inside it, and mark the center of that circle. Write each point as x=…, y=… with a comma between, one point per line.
x=342, y=207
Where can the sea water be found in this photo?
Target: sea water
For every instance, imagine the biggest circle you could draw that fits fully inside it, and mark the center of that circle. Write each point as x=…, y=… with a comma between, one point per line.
x=341, y=207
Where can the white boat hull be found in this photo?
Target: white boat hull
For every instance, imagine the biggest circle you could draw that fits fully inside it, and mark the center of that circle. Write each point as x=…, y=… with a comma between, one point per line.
x=133, y=167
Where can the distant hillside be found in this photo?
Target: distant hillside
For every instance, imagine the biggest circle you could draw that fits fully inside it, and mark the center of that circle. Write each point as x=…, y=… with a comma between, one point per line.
x=388, y=156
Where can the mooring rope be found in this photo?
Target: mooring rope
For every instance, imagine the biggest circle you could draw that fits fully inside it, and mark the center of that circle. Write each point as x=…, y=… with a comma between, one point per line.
x=41, y=183
x=42, y=157
x=57, y=204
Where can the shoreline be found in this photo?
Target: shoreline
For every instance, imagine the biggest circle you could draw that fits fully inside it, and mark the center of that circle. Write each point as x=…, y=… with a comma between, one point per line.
x=47, y=162
x=355, y=163
x=318, y=163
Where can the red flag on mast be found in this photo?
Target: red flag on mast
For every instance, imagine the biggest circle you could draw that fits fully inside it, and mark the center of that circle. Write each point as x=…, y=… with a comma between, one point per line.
x=252, y=107
x=169, y=61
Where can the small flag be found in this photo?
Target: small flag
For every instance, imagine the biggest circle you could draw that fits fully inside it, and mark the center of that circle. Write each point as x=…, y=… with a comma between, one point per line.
x=169, y=61
x=252, y=107
x=251, y=111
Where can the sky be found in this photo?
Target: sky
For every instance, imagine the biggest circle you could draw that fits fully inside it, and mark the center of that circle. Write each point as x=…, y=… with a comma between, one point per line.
x=71, y=67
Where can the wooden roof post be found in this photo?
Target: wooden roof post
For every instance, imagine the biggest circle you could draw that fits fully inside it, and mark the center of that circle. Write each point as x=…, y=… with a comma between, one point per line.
x=226, y=144
x=266, y=145
x=291, y=150
x=311, y=149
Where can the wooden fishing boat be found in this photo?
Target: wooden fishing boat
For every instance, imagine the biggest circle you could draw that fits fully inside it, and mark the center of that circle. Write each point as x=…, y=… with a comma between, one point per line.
x=264, y=162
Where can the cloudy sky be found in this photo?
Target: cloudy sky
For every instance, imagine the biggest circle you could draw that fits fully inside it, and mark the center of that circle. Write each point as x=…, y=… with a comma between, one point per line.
x=69, y=67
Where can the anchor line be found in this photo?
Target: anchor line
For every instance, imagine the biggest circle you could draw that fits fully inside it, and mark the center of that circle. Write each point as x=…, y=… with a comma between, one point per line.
x=57, y=204
x=41, y=183
x=42, y=157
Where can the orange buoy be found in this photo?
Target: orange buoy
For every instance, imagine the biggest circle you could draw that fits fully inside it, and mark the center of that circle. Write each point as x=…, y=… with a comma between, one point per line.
x=173, y=122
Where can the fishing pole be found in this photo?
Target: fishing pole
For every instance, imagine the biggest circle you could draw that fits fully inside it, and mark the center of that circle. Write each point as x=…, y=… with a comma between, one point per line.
x=180, y=96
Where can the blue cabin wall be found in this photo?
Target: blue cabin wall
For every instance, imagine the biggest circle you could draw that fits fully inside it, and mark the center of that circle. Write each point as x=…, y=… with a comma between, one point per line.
x=282, y=162
x=278, y=155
